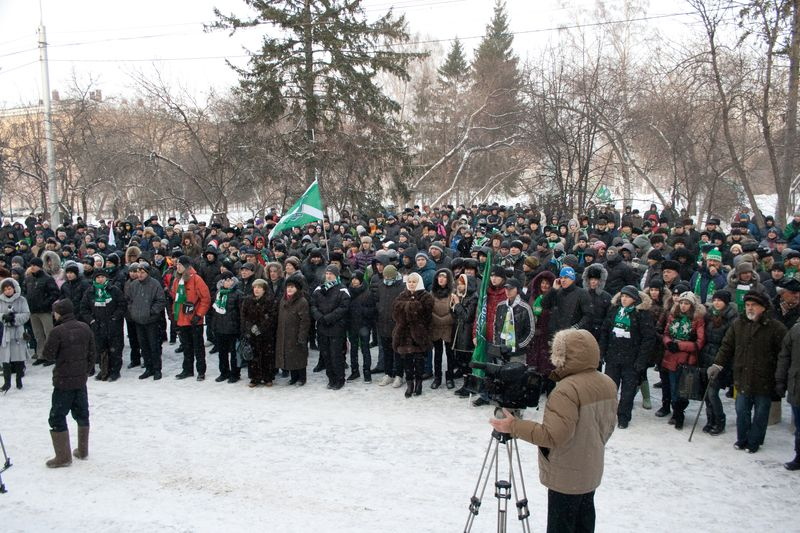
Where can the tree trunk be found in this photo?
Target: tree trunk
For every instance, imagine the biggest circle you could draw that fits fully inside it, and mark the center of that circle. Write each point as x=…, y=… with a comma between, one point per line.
x=790, y=135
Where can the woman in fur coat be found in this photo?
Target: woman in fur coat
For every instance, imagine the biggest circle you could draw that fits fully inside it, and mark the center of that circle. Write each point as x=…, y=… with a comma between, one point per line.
x=411, y=338
x=259, y=323
x=294, y=321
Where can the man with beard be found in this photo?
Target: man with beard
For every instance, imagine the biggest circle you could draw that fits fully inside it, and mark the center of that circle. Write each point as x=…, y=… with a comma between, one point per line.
x=755, y=340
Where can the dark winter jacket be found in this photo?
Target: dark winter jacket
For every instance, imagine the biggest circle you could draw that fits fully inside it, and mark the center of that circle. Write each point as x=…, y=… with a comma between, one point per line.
x=635, y=346
x=619, y=274
x=146, y=300
x=329, y=308
x=361, y=310
x=291, y=337
x=101, y=315
x=384, y=297
x=73, y=291
x=716, y=327
x=601, y=300
x=227, y=323
x=787, y=374
x=464, y=312
x=41, y=292
x=753, y=346
x=428, y=273
x=570, y=308
x=71, y=346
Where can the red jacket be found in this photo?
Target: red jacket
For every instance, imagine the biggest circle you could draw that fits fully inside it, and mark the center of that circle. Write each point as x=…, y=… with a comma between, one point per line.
x=196, y=293
x=689, y=350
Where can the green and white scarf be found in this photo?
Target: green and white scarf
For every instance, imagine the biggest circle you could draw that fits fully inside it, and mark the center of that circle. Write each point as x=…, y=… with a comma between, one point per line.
x=680, y=328
x=537, y=305
x=180, y=299
x=622, y=322
x=222, y=300
x=741, y=290
x=328, y=284
x=101, y=295
x=710, y=289
x=509, y=334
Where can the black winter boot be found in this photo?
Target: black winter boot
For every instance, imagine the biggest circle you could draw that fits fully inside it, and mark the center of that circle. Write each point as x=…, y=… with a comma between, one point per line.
x=711, y=421
x=719, y=426
x=409, y=388
x=664, y=411
x=6, y=378
x=794, y=464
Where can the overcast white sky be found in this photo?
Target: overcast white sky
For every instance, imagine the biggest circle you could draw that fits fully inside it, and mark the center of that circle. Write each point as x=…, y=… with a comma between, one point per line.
x=107, y=40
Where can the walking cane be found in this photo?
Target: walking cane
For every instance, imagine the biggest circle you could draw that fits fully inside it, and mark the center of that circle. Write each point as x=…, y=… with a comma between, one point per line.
x=702, y=403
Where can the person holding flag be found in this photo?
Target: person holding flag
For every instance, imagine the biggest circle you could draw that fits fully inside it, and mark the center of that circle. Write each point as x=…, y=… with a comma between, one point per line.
x=492, y=293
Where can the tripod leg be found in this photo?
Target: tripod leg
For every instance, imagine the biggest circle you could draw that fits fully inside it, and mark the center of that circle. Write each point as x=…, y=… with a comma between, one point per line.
x=483, y=479
x=523, y=512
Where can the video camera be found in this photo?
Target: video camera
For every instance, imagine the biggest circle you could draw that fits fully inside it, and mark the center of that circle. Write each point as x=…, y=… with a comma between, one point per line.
x=509, y=385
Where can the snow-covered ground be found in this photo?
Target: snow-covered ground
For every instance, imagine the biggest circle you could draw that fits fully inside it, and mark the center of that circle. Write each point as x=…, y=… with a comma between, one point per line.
x=188, y=456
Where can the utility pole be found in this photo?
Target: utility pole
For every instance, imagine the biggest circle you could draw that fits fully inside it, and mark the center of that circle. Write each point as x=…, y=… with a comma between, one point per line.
x=52, y=185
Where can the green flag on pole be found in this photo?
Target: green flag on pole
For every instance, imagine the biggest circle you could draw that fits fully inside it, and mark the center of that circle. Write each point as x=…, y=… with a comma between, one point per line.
x=306, y=210
x=479, y=354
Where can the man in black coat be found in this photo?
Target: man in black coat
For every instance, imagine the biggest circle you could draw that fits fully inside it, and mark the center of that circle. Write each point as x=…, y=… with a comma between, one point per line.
x=71, y=347
x=41, y=292
x=146, y=302
x=571, y=306
x=103, y=307
x=329, y=307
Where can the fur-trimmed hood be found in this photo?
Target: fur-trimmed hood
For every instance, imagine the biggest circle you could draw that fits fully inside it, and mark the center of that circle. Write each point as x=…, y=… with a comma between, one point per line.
x=573, y=351
x=699, y=309
x=603, y=277
x=52, y=263
x=132, y=254
x=645, y=305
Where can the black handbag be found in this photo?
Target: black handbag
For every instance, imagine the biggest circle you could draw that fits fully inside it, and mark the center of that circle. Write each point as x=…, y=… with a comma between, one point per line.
x=690, y=386
x=244, y=350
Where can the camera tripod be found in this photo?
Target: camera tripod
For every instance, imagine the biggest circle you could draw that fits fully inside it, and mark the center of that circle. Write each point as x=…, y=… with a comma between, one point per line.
x=6, y=465
x=502, y=487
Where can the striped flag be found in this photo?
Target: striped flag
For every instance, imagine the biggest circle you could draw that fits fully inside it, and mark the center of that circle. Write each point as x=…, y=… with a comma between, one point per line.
x=307, y=209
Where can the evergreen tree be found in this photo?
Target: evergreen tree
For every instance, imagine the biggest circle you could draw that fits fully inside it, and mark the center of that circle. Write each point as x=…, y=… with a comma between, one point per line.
x=455, y=69
x=316, y=71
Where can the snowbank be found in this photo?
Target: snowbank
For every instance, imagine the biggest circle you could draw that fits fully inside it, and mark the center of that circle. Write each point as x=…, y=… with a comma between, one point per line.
x=188, y=456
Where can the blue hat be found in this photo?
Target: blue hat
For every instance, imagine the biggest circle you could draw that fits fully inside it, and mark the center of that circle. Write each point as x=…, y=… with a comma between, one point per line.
x=567, y=272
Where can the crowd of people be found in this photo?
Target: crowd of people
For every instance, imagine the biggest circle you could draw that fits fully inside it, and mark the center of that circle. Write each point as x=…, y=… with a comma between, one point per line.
x=653, y=290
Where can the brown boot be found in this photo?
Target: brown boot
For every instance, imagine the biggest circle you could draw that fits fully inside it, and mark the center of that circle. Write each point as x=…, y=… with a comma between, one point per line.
x=82, y=451
x=61, y=447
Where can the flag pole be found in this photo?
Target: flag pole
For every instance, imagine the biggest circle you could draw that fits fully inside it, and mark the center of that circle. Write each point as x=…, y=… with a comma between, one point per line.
x=324, y=232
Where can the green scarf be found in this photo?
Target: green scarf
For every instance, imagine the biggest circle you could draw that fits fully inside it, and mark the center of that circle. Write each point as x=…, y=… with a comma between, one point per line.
x=680, y=328
x=101, y=295
x=710, y=289
x=537, y=305
x=328, y=284
x=222, y=300
x=739, y=296
x=622, y=319
x=180, y=299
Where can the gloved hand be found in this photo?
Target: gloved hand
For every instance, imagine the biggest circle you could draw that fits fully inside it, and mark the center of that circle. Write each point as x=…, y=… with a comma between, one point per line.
x=196, y=320
x=255, y=331
x=693, y=336
x=713, y=371
x=673, y=347
x=8, y=318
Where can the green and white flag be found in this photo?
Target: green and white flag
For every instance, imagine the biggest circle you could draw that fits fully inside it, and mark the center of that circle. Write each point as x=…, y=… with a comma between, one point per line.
x=306, y=210
x=603, y=194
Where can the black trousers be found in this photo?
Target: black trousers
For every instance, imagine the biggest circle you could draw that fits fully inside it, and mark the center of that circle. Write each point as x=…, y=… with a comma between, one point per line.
x=570, y=513
x=226, y=346
x=108, y=343
x=194, y=351
x=666, y=389
x=623, y=373
x=66, y=401
x=332, y=350
x=392, y=363
x=440, y=347
x=133, y=341
x=149, y=336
